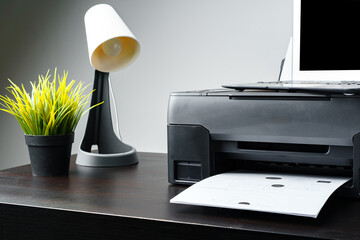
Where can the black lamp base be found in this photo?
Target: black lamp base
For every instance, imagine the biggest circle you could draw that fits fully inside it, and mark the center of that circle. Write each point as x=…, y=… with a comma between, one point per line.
x=99, y=131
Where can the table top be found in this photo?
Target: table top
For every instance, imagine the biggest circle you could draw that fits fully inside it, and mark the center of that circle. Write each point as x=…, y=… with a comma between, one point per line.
x=142, y=192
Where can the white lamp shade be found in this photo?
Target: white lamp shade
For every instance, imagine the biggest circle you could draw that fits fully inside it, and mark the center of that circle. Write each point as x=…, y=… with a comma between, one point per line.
x=102, y=24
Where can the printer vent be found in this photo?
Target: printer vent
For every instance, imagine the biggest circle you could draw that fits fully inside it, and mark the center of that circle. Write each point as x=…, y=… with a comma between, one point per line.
x=284, y=147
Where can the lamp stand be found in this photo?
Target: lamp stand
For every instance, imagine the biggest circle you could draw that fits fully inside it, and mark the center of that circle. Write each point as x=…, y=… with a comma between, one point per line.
x=99, y=131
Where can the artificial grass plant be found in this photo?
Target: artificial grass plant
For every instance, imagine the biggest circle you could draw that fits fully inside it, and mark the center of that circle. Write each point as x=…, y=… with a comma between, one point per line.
x=53, y=108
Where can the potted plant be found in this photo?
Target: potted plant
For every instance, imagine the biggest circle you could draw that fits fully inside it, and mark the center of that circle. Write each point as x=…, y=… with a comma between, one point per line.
x=48, y=117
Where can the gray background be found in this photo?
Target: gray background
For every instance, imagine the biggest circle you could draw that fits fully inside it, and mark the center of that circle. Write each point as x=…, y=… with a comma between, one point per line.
x=185, y=45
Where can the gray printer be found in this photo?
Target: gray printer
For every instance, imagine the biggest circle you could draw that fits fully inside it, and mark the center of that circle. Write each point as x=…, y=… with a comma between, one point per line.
x=214, y=131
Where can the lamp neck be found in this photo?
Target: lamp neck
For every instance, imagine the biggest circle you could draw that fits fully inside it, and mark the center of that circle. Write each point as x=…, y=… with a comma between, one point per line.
x=101, y=75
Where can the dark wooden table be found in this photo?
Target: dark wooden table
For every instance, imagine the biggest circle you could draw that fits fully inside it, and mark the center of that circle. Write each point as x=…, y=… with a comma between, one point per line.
x=133, y=203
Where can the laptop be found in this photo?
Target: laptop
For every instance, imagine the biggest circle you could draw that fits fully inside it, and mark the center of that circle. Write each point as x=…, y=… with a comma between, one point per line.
x=324, y=53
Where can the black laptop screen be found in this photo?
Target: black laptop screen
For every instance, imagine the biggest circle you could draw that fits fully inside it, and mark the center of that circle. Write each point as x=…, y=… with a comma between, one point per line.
x=329, y=35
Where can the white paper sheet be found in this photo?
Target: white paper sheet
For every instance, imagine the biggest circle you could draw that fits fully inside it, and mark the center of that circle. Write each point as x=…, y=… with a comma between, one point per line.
x=291, y=194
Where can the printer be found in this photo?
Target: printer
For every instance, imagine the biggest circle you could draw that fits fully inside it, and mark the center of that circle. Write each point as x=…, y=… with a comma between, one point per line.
x=215, y=131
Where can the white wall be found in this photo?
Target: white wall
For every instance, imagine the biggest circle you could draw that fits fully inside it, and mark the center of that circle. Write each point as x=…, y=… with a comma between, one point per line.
x=185, y=45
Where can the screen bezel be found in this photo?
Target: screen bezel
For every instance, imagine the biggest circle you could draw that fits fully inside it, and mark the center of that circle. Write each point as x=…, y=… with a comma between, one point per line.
x=316, y=75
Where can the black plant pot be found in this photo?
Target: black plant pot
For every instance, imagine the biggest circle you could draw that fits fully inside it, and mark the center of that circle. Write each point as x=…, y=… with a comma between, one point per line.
x=50, y=155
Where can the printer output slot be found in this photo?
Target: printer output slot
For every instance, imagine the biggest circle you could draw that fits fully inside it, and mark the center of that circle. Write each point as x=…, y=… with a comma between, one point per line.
x=284, y=152
x=297, y=168
x=285, y=147
x=283, y=167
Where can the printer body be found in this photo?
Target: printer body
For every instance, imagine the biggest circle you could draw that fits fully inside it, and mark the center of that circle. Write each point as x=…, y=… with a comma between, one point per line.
x=215, y=131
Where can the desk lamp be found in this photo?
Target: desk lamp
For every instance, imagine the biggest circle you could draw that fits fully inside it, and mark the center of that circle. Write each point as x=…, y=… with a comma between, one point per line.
x=111, y=47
